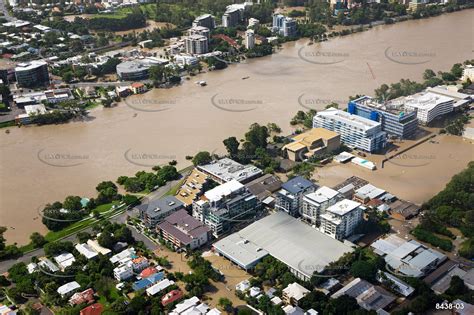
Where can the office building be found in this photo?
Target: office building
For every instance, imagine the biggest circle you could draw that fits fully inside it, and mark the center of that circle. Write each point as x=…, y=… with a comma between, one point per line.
x=314, y=142
x=303, y=249
x=341, y=219
x=200, y=30
x=357, y=132
x=394, y=118
x=32, y=73
x=205, y=20
x=249, y=39
x=290, y=197
x=183, y=231
x=196, y=44
x=284, y=26
x=156, y=210
x=316, y=203
x=225, y=170
x=132, y=70
x=221, y=207
x=428, y=105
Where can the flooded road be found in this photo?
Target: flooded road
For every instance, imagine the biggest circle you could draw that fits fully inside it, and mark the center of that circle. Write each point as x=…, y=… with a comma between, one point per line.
x=47, y=163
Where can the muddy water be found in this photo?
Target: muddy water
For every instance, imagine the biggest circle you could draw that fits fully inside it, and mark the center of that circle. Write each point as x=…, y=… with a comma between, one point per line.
x=44, y=164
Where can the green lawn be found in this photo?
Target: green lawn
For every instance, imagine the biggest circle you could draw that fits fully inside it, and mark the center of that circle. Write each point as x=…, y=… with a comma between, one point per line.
x=6, y=124
x=75, y=227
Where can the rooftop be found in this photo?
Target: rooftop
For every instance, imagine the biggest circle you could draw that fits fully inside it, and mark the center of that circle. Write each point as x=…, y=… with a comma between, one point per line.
x=226, y=170
x=343, y=207
x=360, y=122
x=295, y=291
x=426, y=100
x=297, y=185
x=162, y=206
x=183, y=226
x=307, y=139
x=223, y=190
x=30, y=65
x=323, y=194
x=289, y=240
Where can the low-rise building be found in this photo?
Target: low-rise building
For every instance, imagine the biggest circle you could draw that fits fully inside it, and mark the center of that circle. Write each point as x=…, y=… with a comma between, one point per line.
x=94, y=244
x=123, y=272
x=47, y=265
x=148, y=281
x=138, y=88
x=368, y=296
x=396, y=284
x=171, y=297
x=408, y=258
x=293, y=293
x=184, y=231
x=158, y=287
x=68, y=288
x=64, y=260
x=86, y=251
x=225, y=170
x=290, y=197
x=94, y=309
x=314, y=142
x=124, y=256
x=139, y=263
x=84, y=297
x=156, y=210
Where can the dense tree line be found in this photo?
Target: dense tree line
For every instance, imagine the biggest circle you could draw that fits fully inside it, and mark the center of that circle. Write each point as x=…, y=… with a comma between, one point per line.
x=453, y=207
x=147, y=181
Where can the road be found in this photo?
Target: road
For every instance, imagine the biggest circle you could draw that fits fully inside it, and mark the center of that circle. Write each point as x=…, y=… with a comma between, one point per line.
x=160, y=192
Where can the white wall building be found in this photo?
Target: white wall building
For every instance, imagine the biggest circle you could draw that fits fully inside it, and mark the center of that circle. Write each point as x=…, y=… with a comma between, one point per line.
x=249, y=39
x=357, y=132
x=429, y=106
x=123, y=272
x=340, y=220
x=468, y=73
x=196, y=44
x=314, y=204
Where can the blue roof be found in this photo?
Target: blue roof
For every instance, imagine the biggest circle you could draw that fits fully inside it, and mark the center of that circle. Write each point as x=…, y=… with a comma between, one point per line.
x=147, y=282
x=297, y=184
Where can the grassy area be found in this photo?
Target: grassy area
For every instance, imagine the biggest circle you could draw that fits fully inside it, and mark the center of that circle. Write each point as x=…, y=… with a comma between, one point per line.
x=75, y=227
x=173, y=190
x=6, y=124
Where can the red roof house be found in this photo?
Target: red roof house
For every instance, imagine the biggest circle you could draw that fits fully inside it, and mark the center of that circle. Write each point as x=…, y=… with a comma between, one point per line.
x=94, y=309
x=171, y=296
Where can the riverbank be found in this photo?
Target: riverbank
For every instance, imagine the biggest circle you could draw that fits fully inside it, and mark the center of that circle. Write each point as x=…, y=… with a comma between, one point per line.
x=173, y=123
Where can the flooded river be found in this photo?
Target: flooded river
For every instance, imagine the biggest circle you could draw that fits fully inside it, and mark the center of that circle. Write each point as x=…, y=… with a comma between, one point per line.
x=45, y=164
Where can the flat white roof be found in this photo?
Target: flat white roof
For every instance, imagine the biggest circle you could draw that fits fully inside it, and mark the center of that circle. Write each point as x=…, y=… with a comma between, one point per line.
x=163, y=284
x=227, y=169
x=86, y=251
x=323, y=194
x=343, y=116
x=68, y=287
x=343, y=207
x=426, y=100
x=33, y=64
x=223, y=190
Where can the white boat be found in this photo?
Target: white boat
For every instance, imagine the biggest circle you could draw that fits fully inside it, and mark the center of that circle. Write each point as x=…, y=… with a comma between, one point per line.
x=201, y=83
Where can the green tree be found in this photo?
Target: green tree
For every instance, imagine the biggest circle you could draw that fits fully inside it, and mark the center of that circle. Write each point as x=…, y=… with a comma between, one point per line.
x=72, y=203
x=37, y=239
x=202, y=158
x=232, y=146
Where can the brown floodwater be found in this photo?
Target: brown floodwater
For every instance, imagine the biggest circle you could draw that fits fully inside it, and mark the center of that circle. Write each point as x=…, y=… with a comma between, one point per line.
x=47, y=163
